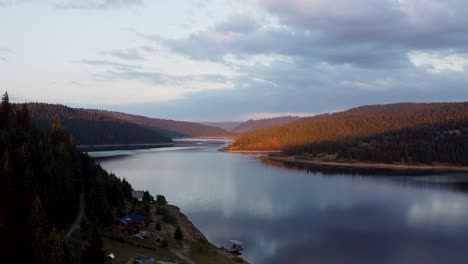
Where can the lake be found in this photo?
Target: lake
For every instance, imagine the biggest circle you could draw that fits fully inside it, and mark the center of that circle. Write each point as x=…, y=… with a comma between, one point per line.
x=292, y=215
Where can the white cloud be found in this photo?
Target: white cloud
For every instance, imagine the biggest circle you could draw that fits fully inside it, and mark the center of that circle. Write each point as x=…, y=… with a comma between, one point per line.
x=437, y=62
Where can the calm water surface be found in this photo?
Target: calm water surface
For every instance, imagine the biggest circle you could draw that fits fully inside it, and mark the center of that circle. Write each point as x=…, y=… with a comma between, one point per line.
x=291, y=215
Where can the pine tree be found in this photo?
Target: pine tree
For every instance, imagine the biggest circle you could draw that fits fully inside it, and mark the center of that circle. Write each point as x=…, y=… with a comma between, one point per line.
x=37, y=224
x=5, y=109
x=5, y=98
x=94, y=253
x=178, y=235
x=56, y=247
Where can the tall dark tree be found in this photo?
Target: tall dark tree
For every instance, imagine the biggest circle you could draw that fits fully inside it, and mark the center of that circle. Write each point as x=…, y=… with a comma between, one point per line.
x=94, y=253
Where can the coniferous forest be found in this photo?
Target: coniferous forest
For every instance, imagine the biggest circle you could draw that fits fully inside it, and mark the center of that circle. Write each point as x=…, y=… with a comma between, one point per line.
x=408, y=133
x=42, y=175
x=97, y=127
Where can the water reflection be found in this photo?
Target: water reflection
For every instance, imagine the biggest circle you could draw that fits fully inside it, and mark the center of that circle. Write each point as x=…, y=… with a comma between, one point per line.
x=287, y=214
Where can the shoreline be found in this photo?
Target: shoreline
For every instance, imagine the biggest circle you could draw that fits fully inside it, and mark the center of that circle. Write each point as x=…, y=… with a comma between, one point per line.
x=250, y=151
x=106, y=147
x=368, y=165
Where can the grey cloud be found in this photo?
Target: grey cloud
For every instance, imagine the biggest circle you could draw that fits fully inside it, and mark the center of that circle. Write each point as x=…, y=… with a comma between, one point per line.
x=298, y=44
x=130, y=53
x=413, y=24
x=157, y=78
x=116, y=65
x=365, y=33
x=96, y=4
x=238, y=24
x=6, y=3
x=126, y=54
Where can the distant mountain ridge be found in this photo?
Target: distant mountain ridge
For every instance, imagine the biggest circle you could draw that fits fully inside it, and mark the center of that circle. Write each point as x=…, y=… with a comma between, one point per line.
x=224, y=125
x=97, y=127
x=252, y=125
x=170, y=128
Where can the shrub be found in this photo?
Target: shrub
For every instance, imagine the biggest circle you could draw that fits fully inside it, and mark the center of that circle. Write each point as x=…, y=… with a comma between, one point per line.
x=164, y=243
x=162, y=210
x=178, y=235
x=161, y=200
x=170, y=218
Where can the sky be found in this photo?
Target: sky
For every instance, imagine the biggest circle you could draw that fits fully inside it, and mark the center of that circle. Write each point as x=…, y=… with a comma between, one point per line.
x=222, y=60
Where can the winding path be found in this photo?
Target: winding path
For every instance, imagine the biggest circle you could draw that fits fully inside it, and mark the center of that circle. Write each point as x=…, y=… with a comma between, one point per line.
x=77, y=223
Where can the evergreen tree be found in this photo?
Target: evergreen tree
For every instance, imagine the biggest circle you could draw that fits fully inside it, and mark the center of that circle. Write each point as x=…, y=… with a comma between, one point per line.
x=94, y=252
x=56, y=247
x=178, y=235
x=38, y=228
x=161, y=200
x=5, y=98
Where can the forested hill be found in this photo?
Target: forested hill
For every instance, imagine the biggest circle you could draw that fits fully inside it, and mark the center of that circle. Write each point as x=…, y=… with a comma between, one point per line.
x=170, y=128
x=252, y=125
x=42, y=175
x=90, y=127
x=406, y=132
x=106, y=127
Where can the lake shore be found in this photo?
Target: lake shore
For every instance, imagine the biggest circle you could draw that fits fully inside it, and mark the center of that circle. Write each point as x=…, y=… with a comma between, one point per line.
x=368, y=165
x=250, y=151
x=107, y=147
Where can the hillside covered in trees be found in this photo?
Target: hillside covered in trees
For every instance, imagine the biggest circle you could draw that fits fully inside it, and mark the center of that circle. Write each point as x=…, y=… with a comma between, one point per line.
x=91, y=127
x=170, y=128
x=42, y=176
x=407, y=132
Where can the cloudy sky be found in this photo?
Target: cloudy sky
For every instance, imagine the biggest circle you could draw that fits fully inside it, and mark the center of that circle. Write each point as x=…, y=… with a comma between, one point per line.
x=222, y=60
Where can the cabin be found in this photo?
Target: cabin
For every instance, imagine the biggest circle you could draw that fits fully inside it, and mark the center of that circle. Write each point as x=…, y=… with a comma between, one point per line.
x=234, y=247
x=129, y=224
x=138, y=195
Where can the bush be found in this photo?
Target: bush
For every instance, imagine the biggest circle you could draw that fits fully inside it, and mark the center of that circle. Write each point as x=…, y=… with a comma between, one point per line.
x=164, y=243
x=161, y=200
x=170, y=218
x=178, y=235
x=162, y=210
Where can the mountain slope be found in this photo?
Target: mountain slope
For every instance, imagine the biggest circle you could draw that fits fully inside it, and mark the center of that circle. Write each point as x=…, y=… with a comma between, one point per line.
x=89, y=127
x=48, y=175
x=167, y=127
x=252, y=125
x=331, y=133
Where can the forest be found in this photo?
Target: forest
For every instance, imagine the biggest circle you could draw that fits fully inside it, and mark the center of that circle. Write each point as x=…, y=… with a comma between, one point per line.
x=42, y=175
x=90, y=126
x=406, y=132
